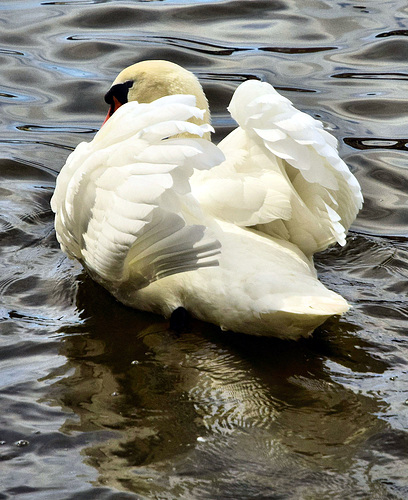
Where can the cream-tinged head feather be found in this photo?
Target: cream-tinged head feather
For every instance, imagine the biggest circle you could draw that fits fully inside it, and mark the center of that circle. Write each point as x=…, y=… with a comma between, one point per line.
x=152, y=80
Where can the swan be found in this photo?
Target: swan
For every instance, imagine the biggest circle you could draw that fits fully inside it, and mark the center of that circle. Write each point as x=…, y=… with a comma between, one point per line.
x=169, y=222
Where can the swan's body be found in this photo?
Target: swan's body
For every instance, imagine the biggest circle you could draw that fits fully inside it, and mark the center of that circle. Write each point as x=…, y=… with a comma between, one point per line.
x=165, y=219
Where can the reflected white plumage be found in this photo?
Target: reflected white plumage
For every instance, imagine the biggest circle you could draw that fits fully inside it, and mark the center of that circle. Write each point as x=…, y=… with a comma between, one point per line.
x=163, y=218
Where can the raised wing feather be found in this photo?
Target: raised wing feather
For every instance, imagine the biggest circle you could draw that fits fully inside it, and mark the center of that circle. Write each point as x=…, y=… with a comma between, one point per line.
x=123, y=203
x=282, y=173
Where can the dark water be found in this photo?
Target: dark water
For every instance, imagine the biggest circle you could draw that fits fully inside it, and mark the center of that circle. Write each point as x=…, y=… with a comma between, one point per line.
x=98, y=401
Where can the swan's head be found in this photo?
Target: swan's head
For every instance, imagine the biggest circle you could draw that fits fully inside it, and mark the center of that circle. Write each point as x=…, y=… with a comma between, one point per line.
x=149, y=80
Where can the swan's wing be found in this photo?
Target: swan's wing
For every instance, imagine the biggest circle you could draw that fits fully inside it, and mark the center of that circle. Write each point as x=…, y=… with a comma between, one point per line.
x=123, y=203
x=282, y=174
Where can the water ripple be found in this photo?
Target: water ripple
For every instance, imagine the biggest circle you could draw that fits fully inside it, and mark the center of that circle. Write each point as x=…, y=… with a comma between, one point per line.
x=376, y=143
x=373, y=76
x=72, y=129
x=386, y=34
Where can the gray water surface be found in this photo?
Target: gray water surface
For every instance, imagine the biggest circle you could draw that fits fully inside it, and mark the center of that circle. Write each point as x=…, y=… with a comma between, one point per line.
x=100, y=401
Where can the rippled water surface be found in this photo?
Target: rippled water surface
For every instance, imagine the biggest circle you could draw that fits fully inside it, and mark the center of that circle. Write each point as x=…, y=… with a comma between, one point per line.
x=99, y=401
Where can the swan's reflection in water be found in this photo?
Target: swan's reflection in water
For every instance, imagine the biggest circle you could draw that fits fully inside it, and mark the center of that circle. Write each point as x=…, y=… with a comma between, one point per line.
x=203, y=414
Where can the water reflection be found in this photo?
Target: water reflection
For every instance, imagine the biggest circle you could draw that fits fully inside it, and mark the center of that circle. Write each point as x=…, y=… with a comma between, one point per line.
x=190, y=409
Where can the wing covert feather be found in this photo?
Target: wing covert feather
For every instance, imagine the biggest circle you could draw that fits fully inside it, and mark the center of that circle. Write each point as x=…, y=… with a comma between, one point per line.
x=282, y=175
x=123, y=201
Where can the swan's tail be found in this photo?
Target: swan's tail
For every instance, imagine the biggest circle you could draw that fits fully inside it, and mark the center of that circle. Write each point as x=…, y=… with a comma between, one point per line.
x=299, y=316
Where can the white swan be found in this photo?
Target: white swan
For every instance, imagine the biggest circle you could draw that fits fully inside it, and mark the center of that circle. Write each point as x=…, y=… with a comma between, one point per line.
x=165, y=219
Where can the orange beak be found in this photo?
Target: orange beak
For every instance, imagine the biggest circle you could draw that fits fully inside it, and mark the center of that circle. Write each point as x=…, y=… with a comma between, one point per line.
x=114, y=106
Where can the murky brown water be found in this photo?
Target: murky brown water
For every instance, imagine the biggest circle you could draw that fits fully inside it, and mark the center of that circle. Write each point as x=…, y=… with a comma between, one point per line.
x=99, y=401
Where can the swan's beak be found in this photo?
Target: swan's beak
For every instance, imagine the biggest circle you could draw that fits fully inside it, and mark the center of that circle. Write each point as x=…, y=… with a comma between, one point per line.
x=114, y=106
x=116, y=96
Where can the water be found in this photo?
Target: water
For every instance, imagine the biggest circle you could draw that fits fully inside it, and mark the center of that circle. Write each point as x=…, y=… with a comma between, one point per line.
x=98, y=401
